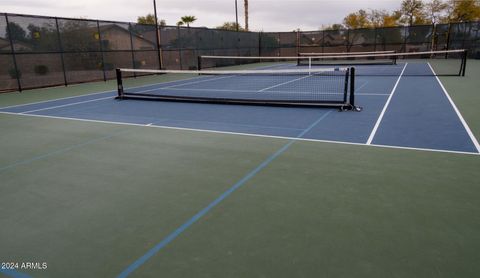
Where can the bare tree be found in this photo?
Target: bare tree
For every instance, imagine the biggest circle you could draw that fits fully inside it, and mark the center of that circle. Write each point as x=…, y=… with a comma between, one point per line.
x=434, y=10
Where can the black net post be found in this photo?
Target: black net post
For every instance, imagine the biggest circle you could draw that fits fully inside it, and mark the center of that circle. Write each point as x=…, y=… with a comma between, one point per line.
x=119, y=83
x=17, y=72
x=464, y=62
x=60, y=47
x=101, y=51
x=352, y=87
x=345, y=86
x=199, y=62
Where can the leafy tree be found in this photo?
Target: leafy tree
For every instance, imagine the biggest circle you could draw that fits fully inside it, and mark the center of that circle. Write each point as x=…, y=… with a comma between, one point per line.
x=356, y=20
x=150, y=19
x=412, y=11
x=434, y=11
x=464, y=10
x=188, y=19
x=391, y=19
x=43, y=38
x=335, y=26
x=232, y=26
x=16, y=32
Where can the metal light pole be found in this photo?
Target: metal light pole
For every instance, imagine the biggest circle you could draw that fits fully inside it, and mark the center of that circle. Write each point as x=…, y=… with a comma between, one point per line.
x=159, y=50
x=236, y=15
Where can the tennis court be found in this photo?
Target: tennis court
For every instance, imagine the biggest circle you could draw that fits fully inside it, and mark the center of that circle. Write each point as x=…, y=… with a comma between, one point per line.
x=100, y=186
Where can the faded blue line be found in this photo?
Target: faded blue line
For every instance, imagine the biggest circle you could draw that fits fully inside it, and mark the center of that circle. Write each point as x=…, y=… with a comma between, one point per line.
x=14, y=274
x=60, y=151
x=209, y=207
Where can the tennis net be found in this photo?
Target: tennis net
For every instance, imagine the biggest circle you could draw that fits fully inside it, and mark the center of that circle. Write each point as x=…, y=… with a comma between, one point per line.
x=313, y=54
x=298, y=87
x=428, y=63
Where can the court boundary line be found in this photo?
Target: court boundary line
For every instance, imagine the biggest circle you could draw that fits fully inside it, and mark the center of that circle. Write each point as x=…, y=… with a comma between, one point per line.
x=243, y=134
x=91, y=94
x=387, y=103
x=220, y=198
x=457, y=111
x=65, y=105
x=45, y=101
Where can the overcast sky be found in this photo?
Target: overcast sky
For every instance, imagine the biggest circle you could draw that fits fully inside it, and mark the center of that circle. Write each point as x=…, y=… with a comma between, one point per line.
x=267, y=15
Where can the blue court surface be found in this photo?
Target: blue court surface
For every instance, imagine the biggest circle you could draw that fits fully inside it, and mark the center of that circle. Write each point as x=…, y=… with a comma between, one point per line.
x=398, y=111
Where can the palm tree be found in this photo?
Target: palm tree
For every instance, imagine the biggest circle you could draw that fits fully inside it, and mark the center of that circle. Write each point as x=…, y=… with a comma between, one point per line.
x=180, y=23
x=188, y=19
x=245, y=5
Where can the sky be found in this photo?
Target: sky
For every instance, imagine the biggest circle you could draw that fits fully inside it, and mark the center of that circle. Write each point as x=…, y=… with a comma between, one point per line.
x=265, y=15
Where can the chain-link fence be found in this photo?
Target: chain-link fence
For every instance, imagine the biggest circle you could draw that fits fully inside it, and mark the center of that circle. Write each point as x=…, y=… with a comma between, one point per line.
x=400, y=39
x=39, y=51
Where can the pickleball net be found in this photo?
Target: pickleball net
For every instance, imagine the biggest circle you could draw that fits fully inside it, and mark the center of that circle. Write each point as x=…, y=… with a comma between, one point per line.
x=333, y=87
x=389, y=63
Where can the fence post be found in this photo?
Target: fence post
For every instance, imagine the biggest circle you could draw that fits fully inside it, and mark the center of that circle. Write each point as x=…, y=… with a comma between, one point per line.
x=101, y=51
x=260, y=43
x=323, y=41
x=298, y=41
x=157, y=37
x=179, y=47
x=60, y=46
x=448, y=38
x=17, y=72
x=131, y=48
x=348, y=40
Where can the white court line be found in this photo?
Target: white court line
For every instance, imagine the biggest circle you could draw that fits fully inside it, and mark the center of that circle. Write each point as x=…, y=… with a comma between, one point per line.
x=464, y=123
x=379, y=120
x=44, y=101
x=284, y=83
x=104, y=92
x=65, y=105
x=243, y=134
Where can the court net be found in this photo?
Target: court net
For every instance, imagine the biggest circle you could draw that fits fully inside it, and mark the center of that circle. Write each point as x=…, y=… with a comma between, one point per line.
x=429, y=63
x=313, y=54
x=298, y=87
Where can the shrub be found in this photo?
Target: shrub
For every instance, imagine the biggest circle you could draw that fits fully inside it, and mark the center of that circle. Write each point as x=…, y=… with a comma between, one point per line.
x=40, y=69
x=14, y=74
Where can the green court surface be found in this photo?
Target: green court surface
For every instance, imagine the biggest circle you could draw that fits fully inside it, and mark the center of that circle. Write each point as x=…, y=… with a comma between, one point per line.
x=90, y=199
